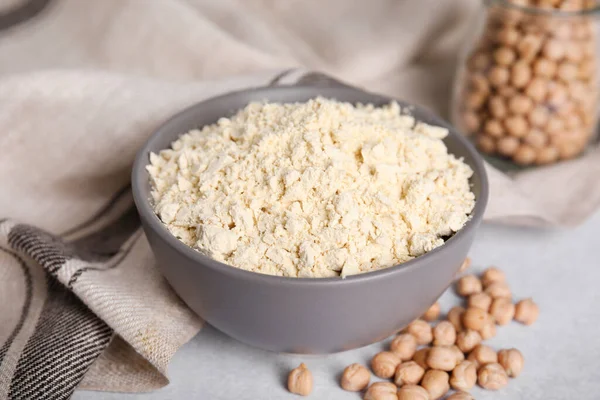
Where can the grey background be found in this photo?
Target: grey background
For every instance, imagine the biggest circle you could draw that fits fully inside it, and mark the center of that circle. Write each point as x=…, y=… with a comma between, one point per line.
x=560, y=269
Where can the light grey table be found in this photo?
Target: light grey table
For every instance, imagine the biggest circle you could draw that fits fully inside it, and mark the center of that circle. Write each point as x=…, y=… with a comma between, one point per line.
x=560, y=269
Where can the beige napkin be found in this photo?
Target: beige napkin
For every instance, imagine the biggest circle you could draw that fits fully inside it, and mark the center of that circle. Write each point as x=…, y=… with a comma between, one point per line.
x=68, y=138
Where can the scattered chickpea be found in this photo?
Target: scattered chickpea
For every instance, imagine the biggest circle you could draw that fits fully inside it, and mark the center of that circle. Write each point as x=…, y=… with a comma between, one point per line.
x=432, y=312
x=442, y=358
x=384, y=364
x=300, y=380
x=499, y=289
x=475, y=318
x=404, y=346
x=512, y=361
x=482, y=355
x=421, y=330
x=489, y=330
x=526, y=312
x=420, y=357
x=408, y=373
x=503, y=310
x=467, y=340
x=436, y=383
x=381, y=391
x=455, y=317
x=464, y=376
x=480, y=300
x=460, y=356
x=465, y=265
x=460, y=396
x=444, y=334
x=468, y=285
x=492, y=377
x=355, y=378
x=412, y=392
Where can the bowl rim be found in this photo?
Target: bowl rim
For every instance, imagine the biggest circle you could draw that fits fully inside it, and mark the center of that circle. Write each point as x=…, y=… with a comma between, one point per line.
x=153, y=221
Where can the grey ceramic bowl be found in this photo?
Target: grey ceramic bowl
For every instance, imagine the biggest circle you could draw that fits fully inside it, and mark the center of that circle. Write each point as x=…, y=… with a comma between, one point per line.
x=300, y=315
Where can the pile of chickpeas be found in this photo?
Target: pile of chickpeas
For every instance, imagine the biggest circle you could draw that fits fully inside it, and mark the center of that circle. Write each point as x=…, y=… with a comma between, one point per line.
x=425, y=362
x=529, y=89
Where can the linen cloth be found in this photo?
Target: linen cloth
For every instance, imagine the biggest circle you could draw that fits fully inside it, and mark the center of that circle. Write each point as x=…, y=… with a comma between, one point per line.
x=83, y=84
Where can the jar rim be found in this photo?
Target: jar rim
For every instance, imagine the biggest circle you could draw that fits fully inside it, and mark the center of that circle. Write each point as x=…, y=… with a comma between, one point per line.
x=587, y=12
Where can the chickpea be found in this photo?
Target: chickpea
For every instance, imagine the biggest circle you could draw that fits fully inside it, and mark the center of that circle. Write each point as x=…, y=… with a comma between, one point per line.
x=482, y=355
x=480, y=300
x=520, y=104
x=479, y=83
x=455, y=317
x=384, y=364
x=508, y=36
x=412, y=392
x=539, y=116
x=381, y=391
x=520, y=74
x=512, y=361
x=567, y=71
x=504, y=56
x=529, y=46
x=467, y=340
x=554, y=49
x=300, y=380
x=503, y=310
x=420, y=357
x=498, y=76
x=498, y=108
x=475, y=318
x=555, y=125
x=537, y=89
x=475, y=100
x=506, y=91
x=436, y=383
x=460, y=356
x=442, y=358
x=465, y=265
x=562, y=31
x=460, y=396
x=499, y=289
x=547, y=155
x=421, y=330
x=444, y=334
x=574, y=53
x=492, y=275
x=432, y=312
x=489, y=330
x=470, y=121
x=404, y=346
x=526, y=312
x=536, y=139
x=468, y=285
x=486, y=144
x=516, y=126
x=355, y=378
x=544, y=68
x=507, y=146
x=586, y=69
x=492, y=377
x=464, y=376
x=524, y=155
x=408, y=373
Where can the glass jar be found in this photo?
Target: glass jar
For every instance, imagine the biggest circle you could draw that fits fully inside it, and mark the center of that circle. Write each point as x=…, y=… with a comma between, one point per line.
x=527, y=86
